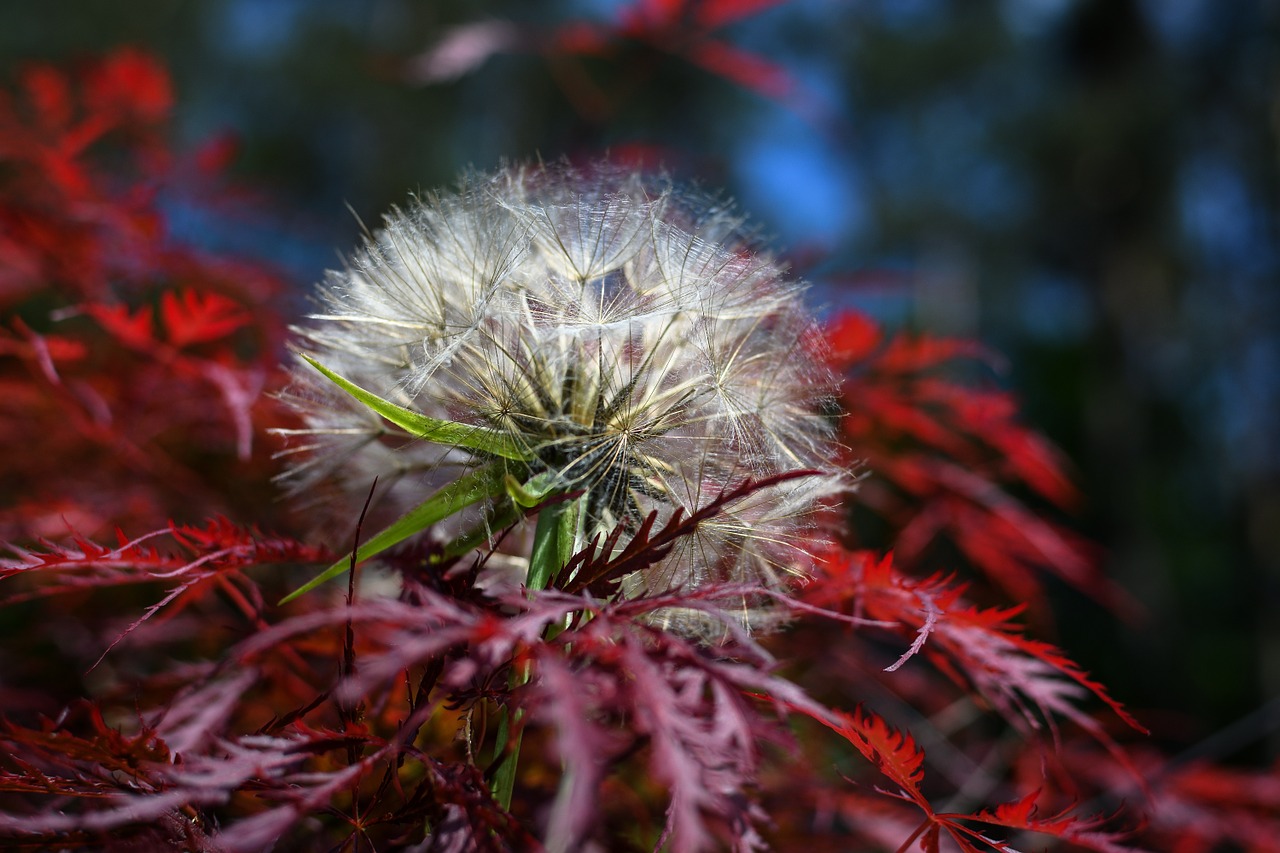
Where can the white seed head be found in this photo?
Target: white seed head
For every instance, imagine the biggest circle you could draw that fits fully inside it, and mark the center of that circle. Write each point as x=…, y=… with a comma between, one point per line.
x=616, y=327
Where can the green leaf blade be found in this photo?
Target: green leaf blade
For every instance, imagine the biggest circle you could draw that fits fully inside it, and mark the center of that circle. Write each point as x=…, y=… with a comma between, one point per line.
x=466, y=490
x=480, y=439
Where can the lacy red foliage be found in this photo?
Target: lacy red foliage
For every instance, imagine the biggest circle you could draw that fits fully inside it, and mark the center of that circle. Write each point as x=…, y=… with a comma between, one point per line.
x=1029, y=682
x=155, y=698
x=897, y=756
x=641, y=36
x=950, y=471
x=688, y=30
x=1186, y=804
x=142, y=370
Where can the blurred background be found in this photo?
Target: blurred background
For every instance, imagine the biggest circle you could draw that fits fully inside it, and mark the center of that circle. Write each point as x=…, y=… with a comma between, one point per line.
x=1088, y=186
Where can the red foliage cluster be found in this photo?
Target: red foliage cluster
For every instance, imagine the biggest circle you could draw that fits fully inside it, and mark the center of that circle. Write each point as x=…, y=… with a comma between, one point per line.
x=687, y=30
x=953, y=472
x=133, y=368
x=133, y=375
x=641, y=35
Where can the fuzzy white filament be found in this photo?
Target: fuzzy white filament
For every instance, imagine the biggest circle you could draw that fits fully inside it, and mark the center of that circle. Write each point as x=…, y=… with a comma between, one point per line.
x=616, y=328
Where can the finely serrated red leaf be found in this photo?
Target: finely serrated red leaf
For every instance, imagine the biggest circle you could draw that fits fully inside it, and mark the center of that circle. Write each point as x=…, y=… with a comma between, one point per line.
x=218, y=545
x=1028, y=681
x=210, y=556
x=893, y=752
x=1084, y=832
x=896, y=755
x=597, y=565
x=192, y=317
x=584, y=746
x=132, y=328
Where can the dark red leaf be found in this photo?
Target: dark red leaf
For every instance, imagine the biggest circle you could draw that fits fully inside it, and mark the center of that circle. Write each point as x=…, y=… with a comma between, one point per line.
x=191, y=317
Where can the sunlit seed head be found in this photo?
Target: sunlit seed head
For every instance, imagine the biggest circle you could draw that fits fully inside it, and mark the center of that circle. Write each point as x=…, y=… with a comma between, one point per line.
x=616, y=327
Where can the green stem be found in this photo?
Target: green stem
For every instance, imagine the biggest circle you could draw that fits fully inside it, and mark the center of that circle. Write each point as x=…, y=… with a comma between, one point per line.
x=553, y=544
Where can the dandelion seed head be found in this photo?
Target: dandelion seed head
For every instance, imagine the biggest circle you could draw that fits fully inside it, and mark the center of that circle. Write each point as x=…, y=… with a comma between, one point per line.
x=617, y=328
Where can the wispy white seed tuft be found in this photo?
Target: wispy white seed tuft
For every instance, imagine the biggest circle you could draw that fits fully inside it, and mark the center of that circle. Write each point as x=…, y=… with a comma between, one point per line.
x=615, y=327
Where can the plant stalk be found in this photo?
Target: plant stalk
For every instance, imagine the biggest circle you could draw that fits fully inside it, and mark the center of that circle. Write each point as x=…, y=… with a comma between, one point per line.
x=554, y=540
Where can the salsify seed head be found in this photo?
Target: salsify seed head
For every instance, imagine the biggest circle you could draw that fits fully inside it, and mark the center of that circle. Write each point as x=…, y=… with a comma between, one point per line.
x=615, y=328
